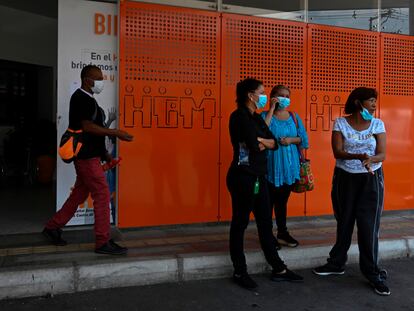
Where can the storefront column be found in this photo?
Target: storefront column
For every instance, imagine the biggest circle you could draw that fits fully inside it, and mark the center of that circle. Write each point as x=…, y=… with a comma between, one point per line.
x=411, y=16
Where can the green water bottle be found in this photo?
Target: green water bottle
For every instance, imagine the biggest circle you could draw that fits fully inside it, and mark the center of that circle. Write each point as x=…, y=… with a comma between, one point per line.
x=256, y=186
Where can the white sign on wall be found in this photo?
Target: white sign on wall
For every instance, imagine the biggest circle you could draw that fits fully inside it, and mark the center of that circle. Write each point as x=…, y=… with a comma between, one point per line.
x=87, y=34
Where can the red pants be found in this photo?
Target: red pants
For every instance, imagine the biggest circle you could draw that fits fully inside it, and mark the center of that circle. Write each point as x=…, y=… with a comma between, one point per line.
x=90, y=178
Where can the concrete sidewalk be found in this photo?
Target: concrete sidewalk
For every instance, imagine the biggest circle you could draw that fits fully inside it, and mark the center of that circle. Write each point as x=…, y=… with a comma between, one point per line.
x=30, y=267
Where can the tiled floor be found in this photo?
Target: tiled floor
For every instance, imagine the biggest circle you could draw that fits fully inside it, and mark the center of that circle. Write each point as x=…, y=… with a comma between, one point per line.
x=25, y=209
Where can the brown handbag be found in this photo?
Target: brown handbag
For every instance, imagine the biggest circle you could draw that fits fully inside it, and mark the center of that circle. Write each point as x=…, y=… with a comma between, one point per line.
x=306, y=181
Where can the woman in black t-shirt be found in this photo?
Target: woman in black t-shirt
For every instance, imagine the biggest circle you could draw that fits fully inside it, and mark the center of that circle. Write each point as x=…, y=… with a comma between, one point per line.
x=250, y=137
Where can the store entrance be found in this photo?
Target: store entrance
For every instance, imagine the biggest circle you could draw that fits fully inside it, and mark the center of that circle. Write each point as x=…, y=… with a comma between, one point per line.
x=27, y=147
x=28, y=62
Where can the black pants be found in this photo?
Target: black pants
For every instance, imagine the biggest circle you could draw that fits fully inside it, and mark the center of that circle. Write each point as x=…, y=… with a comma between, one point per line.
x=358, y=197
x=244, y=201
x=279, y=197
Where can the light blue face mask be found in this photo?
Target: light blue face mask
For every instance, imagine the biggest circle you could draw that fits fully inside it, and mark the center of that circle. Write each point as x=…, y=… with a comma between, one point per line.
x=262, y=101
x=366, y=115
x=284, y=102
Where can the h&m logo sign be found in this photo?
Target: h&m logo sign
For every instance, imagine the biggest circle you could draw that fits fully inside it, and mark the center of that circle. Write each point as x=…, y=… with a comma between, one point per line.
x=160, y=110
x=324, y=109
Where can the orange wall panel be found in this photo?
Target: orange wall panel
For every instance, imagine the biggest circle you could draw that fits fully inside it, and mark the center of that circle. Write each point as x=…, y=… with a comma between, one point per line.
x=178, y=73
x=272, y=51
x=397, y=112
x=169, y=91
x=339, y=59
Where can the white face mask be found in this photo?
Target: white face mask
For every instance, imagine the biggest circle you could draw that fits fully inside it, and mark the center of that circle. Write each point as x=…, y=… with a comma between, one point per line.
x=98, y=86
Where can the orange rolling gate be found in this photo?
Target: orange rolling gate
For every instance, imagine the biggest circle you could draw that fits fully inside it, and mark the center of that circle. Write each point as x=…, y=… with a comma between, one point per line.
x=178, y=71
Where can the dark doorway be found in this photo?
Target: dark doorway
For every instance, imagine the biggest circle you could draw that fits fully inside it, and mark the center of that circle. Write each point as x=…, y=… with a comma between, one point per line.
x=27, y=147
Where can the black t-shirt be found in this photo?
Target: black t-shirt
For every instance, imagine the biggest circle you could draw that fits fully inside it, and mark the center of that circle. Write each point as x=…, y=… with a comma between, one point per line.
x=84, y=107
x=245, y=128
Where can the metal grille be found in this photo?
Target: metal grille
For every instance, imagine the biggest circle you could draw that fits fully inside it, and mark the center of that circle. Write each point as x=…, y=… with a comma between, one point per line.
x=342, y=59
x=398, y=66
x=270, y=50
x=170, y=46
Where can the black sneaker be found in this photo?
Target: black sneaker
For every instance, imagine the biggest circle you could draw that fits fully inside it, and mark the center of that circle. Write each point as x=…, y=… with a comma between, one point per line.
x=286, y=239
x=244, y=280
x=381, y=288
x=54, y=236
x=111, y=248
x=287, y=275
x=328, y=269
x=117, y=245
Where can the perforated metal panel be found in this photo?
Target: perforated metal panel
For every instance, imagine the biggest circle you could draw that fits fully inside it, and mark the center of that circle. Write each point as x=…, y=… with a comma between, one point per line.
x=271, y=50
x=339, y=60
x=398, y=65
x=170, y=46
x=169, y=100
x=342, y=59
x=178, y=74
x=397, y=112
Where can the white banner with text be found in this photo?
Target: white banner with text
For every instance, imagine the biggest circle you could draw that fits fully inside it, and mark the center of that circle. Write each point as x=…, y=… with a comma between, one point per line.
x=87, y=34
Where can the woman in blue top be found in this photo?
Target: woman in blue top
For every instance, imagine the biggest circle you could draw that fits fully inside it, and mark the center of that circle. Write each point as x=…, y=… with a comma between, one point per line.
x=283, y=164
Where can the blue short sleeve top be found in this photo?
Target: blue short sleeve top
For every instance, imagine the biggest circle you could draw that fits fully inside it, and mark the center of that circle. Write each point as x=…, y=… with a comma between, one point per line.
x=283, y=164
